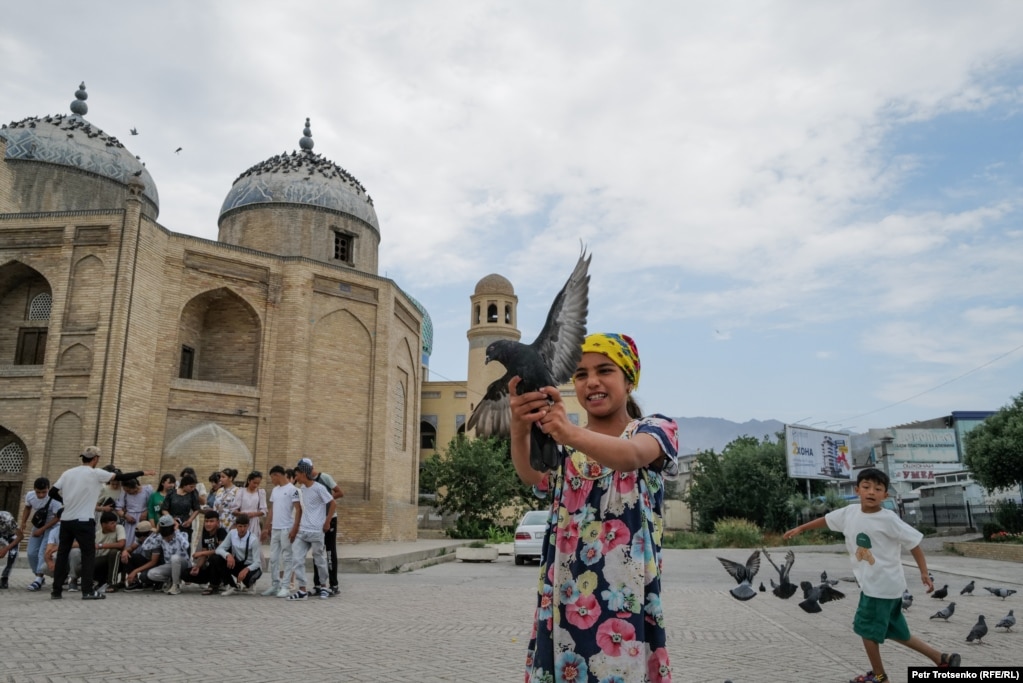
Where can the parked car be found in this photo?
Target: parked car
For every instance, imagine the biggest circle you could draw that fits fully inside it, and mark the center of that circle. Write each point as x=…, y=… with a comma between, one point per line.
x=529, y=535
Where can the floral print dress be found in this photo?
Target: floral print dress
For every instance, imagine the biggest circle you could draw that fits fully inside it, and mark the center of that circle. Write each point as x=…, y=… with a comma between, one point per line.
x=598, y=616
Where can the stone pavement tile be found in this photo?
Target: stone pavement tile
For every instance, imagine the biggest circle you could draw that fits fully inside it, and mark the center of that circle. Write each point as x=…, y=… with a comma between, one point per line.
x=470, y=622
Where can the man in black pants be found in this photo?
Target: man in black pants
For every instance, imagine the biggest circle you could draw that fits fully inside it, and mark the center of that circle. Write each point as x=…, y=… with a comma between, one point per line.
x=79, y=489
x=329, y=536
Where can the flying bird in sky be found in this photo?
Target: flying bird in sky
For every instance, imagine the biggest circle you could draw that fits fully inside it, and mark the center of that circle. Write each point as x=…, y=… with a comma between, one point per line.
x=134, y=131
x=785, y=589
x=548, y=362
x=978, y=631
x=1003, y=593
x=945, y=612
x=177, y=150
x=1007, y=622
x=743, y=575
x=813, y=596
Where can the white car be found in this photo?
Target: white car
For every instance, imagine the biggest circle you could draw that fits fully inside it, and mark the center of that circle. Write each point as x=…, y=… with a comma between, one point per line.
x=529, y=535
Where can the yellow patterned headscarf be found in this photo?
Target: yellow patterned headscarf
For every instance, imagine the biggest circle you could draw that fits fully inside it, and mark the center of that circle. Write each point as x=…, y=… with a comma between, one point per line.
x=620, y=349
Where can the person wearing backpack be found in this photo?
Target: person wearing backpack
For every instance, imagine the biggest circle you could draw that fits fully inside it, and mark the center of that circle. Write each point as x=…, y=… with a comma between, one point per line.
x=41, y=509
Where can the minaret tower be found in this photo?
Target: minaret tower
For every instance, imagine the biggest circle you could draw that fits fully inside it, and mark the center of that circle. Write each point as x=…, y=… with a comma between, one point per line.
x=493, y=316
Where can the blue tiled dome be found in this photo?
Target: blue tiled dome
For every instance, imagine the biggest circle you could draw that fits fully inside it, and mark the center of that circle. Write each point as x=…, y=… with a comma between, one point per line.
x=427, y=325
x=70, y=140
x=302, y=178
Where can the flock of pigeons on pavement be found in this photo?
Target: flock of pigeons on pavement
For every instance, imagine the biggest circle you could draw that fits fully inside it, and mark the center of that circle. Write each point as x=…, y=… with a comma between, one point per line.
x=816, y=595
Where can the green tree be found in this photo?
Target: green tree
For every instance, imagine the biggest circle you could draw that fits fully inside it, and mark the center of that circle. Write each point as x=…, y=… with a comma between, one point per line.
x=994, y=448
x=749, y=480
x=475, y=479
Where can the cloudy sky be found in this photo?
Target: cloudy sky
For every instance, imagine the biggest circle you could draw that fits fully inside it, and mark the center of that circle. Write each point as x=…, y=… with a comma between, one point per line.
x=801, y=211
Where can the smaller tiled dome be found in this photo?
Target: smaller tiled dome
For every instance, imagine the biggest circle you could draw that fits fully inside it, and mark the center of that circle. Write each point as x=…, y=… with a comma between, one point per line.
x=495, y=284
x=427, y=325
x=70, y=140
x=301, y=178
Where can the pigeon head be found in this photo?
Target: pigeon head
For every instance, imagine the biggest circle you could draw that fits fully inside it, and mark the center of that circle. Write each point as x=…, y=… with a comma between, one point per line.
x=501, y=351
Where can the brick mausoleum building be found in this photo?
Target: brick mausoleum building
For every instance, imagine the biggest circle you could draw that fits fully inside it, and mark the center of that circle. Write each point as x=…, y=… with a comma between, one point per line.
x=277, y=341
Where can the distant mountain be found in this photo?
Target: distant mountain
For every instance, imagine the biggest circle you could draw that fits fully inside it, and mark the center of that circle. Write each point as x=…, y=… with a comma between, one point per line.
x=704, y=433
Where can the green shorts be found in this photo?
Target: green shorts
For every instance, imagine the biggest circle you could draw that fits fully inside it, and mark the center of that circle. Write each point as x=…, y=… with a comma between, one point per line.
x=880, y=618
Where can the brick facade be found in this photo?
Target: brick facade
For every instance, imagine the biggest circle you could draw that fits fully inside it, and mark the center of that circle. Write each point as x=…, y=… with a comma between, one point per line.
x=291, y=355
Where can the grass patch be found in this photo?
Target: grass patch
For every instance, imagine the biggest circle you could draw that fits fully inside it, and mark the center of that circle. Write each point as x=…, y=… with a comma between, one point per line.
x=695, y=540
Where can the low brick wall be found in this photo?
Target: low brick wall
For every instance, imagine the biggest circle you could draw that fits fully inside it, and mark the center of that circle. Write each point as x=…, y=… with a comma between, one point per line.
x=1009, y=552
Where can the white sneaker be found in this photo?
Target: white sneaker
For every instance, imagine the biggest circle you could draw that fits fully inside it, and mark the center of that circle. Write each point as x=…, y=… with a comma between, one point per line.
x=174, y=590
x=272, y=590
x=227, y=591
x=299, y=595
x=284, y=592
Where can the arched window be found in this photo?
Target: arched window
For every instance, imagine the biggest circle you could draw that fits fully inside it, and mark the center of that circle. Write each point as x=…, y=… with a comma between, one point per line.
x=427, y=435
x=507, y=314
x=12, y=458
x=492, y=313
x=39, y=309
x=476, y=315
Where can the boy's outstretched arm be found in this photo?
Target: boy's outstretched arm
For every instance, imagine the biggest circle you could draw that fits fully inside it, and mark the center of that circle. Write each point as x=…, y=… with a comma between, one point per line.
x=921, y=562
x=819, y=523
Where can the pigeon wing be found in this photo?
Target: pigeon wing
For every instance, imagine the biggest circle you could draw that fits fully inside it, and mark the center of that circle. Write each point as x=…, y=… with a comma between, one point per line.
x=828, y=593
x=492, y=415
x=561, y=339
x=736, y=570
x=752, y=565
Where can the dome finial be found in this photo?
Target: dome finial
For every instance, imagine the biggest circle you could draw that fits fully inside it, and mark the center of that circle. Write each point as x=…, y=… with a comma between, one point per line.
x=306, y=142
x=79, y=106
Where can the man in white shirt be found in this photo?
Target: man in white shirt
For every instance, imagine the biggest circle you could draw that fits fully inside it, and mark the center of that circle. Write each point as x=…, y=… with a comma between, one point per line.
x=311, y=521
x=79, y=488
x=284, y=506
x=330, y=535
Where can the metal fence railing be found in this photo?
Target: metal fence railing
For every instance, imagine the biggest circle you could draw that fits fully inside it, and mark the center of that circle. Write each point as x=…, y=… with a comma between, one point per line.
x=969, y=515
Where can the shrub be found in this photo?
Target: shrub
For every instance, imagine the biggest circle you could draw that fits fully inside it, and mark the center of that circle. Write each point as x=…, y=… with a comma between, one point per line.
x=1009, y=516
x=500, y=534
x=733, y=532
x=990, y=529
x=686, y=540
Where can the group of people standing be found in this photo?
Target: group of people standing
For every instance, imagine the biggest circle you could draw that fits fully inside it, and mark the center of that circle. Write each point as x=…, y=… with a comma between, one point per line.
x=103, y=525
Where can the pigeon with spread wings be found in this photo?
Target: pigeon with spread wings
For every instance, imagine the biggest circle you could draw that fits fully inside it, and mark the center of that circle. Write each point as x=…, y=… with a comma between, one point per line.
x=548, y=362
x=743, y=575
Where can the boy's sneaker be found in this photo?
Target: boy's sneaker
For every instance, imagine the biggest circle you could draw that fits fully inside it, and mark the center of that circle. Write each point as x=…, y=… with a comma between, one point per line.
x=283, y=592
x=72, y=586
x=299, y=595
x=135, y=585
x=228, y=590
x=3, y=582
x=94, y=596
x=55, y=596
x=272, y=590
x=335, y=590
x=324, y=593
x=175, y=589
x=950, y=661
x=37, y=584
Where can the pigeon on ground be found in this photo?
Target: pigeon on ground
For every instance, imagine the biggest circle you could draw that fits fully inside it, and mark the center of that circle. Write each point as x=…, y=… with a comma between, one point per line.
x=978, y=631
x=1003, y=593
x=941, y=593
x=945, y=612
x=1007, y=622
x=968, y=588
x=907, y=600
x=824, y=579
x=549, y=361
x=784, y=589
x=762, y=589
x=814, y=595
x=743, y=575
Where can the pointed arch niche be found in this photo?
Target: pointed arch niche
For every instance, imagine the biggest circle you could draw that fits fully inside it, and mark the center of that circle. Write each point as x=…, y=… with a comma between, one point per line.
x=13, y=466
x=207, y=447
x=219, y=336
x=25, y=299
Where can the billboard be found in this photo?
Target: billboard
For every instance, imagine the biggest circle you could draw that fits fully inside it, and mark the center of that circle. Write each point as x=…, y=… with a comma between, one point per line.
x=924, y=445
x=817, y=454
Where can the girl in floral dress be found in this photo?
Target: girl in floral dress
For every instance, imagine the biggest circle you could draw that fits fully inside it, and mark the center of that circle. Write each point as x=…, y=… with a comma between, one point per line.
x=225, y=504
x=599, y=615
